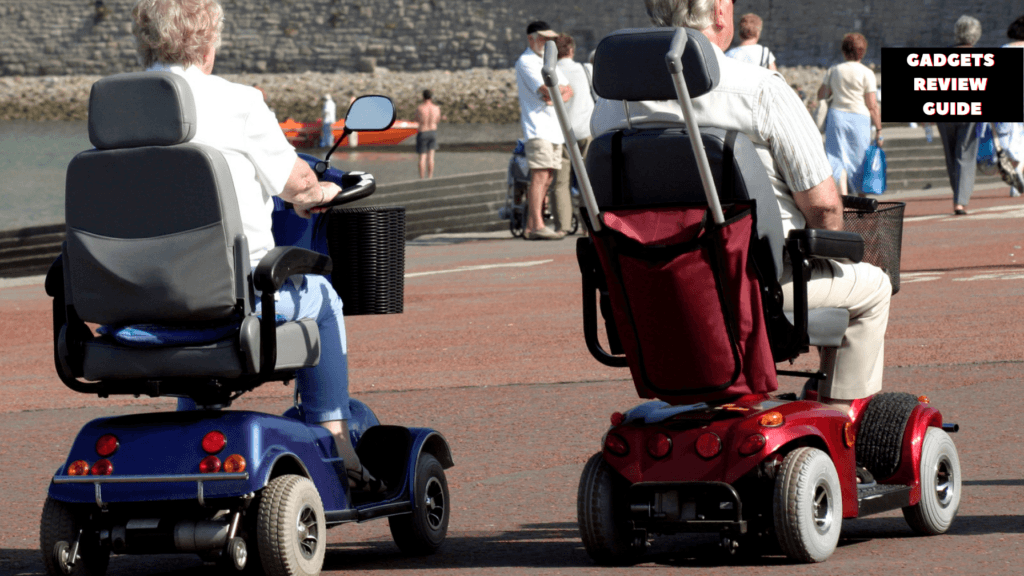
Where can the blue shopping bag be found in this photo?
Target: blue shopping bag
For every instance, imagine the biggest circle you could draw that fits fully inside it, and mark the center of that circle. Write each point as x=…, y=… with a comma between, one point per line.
x=874, y=171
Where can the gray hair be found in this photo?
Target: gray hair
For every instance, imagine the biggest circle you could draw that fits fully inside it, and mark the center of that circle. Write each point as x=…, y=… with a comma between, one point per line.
x=967, y=30
x=697, y=14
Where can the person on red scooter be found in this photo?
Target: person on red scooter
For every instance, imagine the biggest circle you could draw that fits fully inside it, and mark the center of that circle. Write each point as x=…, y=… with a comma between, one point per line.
x=759, y=103
x=182, y=37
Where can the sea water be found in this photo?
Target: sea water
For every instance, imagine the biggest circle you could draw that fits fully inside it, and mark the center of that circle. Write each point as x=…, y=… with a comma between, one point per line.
x=34, y=157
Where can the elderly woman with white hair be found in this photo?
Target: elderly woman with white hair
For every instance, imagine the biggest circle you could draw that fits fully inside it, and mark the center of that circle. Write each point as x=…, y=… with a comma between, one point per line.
x=182, y=37
x=959, y=139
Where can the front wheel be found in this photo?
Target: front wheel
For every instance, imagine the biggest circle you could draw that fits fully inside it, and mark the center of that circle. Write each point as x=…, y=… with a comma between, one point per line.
x=940, y=485
x=602, y=514
x=808, y=505
x=291, y=529
x=59, y=528
x=423, y=531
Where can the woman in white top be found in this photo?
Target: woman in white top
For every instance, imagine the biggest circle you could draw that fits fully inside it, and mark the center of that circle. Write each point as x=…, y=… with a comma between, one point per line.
x=852, y=110
x=182, y=37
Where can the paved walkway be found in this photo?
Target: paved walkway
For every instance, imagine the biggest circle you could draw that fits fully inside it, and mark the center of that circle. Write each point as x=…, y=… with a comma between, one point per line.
x=489, y=351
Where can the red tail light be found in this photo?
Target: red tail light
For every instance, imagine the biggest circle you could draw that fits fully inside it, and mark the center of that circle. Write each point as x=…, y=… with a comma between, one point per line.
x=617, y=418
x=210, y=465
x=659, y=445
x=709, y=445
x=214, y=442
x=753, y=444
x=616, y=445
x=107, y=445
x=102, y=468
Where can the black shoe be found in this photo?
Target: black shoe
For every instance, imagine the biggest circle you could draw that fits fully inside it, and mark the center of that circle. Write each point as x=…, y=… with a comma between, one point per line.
x=361, y=480
x=864, y=477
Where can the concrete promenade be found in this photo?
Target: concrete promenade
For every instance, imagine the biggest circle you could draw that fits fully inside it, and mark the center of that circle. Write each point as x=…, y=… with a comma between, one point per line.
x=489, y=351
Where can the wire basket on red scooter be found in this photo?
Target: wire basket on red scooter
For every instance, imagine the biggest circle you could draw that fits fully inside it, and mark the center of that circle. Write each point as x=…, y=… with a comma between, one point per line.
x=882, y=230
x=367, y=246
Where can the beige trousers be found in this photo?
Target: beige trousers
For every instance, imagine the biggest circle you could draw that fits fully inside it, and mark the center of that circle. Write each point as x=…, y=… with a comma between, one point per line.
x=865, y=291
x=561, y=209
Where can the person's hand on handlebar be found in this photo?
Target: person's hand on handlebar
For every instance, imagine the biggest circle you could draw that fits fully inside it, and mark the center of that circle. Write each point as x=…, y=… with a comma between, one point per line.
x=304, y=192
x=328, y=190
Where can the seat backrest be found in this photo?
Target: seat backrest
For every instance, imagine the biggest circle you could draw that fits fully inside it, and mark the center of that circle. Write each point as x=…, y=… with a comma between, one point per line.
x=646, y=167
x=154, y=233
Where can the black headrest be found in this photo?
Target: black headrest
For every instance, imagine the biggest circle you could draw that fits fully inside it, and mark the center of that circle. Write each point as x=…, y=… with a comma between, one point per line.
x=141, y=109
x=630, y=65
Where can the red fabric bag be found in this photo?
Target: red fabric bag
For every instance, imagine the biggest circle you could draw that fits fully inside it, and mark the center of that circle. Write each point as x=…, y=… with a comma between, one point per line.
x=686, y=302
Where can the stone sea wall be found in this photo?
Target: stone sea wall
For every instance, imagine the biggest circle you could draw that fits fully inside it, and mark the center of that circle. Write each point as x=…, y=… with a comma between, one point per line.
x=478, y=95
x=64, y=37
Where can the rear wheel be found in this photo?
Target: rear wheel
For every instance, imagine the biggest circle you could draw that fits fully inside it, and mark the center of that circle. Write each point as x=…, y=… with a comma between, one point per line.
x=423, y=531
x=602, y=514
x=58, y=530
x=940, y=485
x=290, y=527
x=808, y=505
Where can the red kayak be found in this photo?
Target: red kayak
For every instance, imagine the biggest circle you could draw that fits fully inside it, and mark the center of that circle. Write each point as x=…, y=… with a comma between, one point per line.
x=307, y=134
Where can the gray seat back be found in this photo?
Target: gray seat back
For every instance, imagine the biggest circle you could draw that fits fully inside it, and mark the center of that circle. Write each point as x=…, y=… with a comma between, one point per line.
x=154, y=233
x=647, y=167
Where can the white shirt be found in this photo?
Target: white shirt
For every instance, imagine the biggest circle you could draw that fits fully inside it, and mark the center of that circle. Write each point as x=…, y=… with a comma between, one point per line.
x=330, y=114
x=752, y=54
x=756, y=102
x=581, y=105
x=537, y=117
x=234, y=119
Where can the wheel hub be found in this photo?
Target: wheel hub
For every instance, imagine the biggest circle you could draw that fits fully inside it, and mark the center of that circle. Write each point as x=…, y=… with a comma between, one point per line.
x=434, y=503
x=306, y=532
x=822, y=509
x=944, y=482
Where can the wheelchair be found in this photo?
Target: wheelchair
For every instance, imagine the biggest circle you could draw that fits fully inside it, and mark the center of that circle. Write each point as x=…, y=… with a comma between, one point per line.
x=155, y=242
x=684, y=259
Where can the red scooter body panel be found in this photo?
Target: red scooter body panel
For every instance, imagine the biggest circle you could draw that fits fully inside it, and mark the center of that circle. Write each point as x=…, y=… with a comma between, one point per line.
x=809, y=423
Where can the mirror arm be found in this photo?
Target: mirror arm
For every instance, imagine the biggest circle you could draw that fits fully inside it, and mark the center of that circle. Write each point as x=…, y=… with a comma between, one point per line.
x=327, y=158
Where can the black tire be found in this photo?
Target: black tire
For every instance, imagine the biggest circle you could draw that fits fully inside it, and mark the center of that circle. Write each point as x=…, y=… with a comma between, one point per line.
x=60, y=523
x=602, y=514
x=808, y=505
x=423, y=531
x=575, y=226
x=880, y=433
x=940, y=485
x=290, y=527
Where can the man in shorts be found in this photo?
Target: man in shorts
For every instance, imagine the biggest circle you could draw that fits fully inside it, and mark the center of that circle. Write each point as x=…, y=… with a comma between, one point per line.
x=427, y=116
x=543, y=135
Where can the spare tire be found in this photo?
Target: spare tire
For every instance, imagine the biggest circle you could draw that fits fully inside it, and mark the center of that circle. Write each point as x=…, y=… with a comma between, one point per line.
x=880, y=436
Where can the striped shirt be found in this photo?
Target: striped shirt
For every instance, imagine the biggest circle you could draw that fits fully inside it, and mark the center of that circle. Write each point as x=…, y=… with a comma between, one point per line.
x=757, y=102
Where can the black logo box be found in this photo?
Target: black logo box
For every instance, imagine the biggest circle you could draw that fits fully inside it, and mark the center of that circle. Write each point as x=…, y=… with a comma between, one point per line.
x=1001, y=101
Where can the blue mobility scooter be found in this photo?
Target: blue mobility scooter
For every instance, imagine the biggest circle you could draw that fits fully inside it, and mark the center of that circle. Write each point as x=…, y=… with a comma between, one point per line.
x=686, y=257
x=155, y=242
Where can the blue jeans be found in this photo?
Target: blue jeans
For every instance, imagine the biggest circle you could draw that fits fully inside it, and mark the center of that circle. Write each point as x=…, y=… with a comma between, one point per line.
x=324, y=387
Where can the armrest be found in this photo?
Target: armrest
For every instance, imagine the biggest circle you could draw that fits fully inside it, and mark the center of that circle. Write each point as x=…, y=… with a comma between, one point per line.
x=284, y=261
x=271, y=273
x=813, y=243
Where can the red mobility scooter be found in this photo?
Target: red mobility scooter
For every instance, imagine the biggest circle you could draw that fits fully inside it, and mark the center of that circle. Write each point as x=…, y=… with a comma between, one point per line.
x=685, y=255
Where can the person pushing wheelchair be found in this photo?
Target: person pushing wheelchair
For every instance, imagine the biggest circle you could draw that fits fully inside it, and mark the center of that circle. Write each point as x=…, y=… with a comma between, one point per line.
x=759, y=103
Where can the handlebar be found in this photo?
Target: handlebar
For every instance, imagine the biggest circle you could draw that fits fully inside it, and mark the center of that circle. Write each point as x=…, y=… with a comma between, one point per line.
x=354, y=185
x=858, y=203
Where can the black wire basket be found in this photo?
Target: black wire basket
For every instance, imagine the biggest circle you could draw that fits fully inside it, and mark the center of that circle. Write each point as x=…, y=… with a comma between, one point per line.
x=367, y=246
x=882, y=230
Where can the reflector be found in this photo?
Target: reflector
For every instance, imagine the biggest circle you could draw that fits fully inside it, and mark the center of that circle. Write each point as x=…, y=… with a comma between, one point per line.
x=214, y=442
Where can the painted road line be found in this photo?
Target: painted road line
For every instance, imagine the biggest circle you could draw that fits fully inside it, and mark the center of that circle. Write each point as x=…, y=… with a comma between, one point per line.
x=481, y=267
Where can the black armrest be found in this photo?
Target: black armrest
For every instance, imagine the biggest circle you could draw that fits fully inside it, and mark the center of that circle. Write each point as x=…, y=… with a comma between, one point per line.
x=815, y=243
x=284, y=261
x=590, y=269
x=271, y=273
